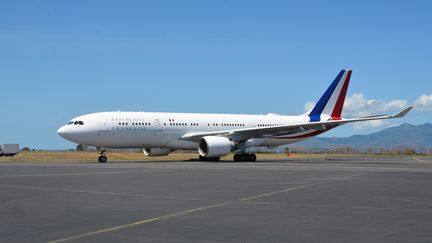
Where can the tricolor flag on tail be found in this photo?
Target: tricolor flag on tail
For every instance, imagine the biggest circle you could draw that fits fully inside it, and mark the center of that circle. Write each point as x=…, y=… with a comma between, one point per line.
x=331, y=103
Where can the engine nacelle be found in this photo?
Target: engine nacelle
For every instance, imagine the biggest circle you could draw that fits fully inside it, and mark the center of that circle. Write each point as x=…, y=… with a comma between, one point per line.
x=213, y=146
x=156, y=151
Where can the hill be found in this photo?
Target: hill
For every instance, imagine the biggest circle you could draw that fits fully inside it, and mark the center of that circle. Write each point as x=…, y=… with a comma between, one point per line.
x=406, y=135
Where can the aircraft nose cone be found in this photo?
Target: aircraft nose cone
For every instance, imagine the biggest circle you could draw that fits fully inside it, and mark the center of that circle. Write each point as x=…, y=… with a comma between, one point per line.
x=62, y=131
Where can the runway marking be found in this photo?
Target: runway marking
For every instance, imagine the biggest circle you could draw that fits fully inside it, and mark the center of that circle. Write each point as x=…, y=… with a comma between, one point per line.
x=302, y=186
x=145, y=221
x=141, y=222
x=341, y=207
x=98, y=192
x=68, y=174
x=281, y=191
x=421, y=160
x=262, y=203
x=347, y=177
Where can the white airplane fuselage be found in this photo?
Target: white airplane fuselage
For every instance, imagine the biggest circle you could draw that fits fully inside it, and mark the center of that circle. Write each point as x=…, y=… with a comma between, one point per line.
x=213, y=135
x=165, y=130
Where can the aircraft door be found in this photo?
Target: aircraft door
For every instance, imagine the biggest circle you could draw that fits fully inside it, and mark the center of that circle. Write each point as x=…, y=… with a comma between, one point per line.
x=157, y=127
x=103, y=126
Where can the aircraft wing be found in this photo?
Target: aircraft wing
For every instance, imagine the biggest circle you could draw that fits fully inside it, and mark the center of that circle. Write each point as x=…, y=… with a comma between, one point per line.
x=244, y=134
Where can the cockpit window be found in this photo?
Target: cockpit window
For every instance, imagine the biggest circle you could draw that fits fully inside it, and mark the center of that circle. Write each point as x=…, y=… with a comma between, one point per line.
x=76, y=123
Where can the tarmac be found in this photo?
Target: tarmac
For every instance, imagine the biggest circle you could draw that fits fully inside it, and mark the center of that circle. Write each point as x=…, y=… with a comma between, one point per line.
x=340, y=199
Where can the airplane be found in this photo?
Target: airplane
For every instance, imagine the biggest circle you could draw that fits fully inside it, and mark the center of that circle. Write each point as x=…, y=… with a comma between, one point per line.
x=213, y=135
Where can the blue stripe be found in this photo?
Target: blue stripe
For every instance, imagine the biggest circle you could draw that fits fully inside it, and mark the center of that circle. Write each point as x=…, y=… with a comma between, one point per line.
x=315, y=114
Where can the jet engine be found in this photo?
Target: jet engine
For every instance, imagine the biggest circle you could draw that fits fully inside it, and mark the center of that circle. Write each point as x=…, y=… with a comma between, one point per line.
x=213, y=146
x=156, y=151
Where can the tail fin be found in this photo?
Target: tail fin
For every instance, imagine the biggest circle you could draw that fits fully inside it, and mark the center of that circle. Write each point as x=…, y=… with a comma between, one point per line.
x=331, y=103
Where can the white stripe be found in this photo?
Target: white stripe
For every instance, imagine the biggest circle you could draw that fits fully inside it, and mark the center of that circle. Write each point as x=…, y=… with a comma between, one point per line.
x=335, y=96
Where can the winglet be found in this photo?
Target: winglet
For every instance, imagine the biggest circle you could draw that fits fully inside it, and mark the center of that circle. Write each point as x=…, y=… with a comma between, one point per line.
x=402, y=113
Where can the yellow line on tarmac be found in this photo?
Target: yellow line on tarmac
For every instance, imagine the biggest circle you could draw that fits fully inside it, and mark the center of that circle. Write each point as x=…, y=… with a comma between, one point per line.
x=145, y=221
x=141, y=222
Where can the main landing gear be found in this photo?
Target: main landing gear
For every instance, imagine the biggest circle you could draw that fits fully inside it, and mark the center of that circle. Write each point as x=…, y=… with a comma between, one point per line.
x=245, y=157
x=202, y=158
x=102, y=158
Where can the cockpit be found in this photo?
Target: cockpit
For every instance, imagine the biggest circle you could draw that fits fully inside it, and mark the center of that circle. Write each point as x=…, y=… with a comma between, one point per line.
x=80, y=123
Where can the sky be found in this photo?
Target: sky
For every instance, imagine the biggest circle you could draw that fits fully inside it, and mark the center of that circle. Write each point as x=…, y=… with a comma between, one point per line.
x=61, y=59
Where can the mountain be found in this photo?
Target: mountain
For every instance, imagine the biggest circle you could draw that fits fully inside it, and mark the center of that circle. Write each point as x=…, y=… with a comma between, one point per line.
x=406, y=135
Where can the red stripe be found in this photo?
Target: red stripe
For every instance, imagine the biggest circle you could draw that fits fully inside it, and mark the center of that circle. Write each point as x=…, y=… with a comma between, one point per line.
x=303, y=136
x=341, y=99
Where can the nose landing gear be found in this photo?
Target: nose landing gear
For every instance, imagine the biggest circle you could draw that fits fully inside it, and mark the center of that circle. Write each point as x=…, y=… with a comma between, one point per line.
x=102, y=158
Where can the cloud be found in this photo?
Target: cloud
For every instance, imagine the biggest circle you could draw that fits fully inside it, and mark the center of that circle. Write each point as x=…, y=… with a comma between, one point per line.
x=423, y=103
x=308, y=106
x=358, y=105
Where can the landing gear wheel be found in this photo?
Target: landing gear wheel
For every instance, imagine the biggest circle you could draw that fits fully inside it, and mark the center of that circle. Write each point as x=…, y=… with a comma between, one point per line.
x=202, y=158
x=246, y=157
x=102, y=159
x=237, y=157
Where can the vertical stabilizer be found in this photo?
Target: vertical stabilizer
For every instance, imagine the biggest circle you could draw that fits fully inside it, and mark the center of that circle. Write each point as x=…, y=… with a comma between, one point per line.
x=332, y=101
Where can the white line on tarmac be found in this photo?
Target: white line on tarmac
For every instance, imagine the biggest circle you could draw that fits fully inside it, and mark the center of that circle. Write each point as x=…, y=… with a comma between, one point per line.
x=68, y=174
x=145, y=221
x=98, y=192
x=421, y=160
x=149, y=220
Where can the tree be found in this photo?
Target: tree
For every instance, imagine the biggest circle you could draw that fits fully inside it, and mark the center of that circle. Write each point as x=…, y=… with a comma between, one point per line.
x=25, y=149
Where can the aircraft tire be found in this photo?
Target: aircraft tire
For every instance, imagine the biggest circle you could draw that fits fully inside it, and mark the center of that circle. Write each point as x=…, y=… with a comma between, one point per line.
x=252, y=157
x=237, y=157
x=102, y=159
x=244, y=157
x=202, y=158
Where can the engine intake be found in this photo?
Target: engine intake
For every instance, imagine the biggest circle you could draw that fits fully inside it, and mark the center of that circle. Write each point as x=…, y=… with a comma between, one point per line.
x=156, y=151
x=213, y=146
